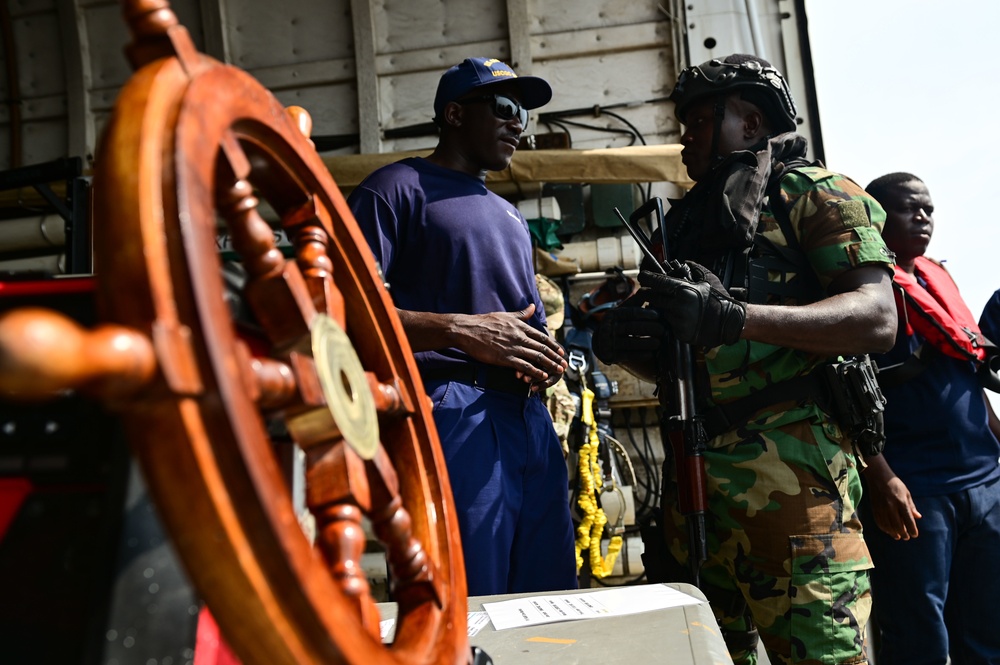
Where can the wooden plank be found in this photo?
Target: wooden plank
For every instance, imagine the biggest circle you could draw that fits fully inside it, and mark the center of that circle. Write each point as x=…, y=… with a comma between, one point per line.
x=44, y=140
x=438, y=59
x=518, y=29
x=402, y=27
x=369, y=115
x=268, y=34
x=627, y=81
x=28, y=7
x=107, y=36
x=412, y=99
x=102, y=99
x=50, y=106
x=332, y=107
x=554, y=17
x=598, y=41
x=36, y=60
x=306, y=74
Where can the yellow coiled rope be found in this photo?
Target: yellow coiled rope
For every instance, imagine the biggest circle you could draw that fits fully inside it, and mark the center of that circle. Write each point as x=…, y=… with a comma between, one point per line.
x=588, y=534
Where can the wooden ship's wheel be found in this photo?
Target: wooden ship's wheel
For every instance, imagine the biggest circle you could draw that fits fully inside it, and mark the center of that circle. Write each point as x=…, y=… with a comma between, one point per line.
x=193, y=142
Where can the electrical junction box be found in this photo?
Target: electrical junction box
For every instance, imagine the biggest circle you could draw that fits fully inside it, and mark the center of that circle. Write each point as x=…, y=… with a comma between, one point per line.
x=605, y=198
x=570, y=199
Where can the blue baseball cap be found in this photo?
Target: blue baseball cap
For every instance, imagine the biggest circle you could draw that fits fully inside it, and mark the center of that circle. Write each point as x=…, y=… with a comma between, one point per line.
x=474, y=73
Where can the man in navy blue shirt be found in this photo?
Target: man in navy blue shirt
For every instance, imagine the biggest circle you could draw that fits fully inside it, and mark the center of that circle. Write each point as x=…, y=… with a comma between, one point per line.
x=989, y=322
x=458, y=260
x=932, y=499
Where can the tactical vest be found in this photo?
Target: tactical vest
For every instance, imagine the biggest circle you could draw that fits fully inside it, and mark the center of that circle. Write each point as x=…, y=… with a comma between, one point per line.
x=847, y=390
x=766, y=258
x=747, y=265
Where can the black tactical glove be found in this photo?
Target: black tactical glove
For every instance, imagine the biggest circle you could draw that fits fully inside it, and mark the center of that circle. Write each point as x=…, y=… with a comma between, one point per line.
x=628, y=334
x=699, y=310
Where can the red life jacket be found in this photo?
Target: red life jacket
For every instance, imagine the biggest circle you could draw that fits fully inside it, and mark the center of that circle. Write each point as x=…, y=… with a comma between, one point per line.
x=938, y=312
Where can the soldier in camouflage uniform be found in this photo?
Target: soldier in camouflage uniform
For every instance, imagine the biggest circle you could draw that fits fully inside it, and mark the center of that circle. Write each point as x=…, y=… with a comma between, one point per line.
x=786, y=555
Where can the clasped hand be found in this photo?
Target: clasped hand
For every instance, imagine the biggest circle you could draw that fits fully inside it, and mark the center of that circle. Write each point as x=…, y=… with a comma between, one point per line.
x=506, y=339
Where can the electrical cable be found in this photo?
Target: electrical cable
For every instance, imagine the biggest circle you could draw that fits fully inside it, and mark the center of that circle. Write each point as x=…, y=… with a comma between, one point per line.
x=635, y=130
x=647, y=482
x=563, y=128
x=624, y=455
x=598, y=128
x=657, y=484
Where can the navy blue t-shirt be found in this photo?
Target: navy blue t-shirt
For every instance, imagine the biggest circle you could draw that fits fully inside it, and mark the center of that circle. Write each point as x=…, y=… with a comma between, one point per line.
x=990, y=321
x=938, y=439
x=446, y=244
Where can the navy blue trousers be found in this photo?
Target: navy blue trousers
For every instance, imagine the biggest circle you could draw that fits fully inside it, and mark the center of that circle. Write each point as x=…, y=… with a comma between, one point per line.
x=939, y=593
x=509, y=480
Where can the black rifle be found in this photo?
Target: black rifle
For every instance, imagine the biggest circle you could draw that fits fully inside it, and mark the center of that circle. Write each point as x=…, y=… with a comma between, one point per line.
x=680, y=422
x=685, y=431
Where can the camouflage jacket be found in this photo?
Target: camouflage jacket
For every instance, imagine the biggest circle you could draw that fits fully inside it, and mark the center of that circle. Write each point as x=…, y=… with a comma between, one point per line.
x=838, y=227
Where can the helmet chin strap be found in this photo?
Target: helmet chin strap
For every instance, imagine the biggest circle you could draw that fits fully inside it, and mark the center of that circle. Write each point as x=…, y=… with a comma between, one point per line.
x=718, y=116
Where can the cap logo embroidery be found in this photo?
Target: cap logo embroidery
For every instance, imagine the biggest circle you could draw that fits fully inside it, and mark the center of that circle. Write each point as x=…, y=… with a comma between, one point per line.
x=498, y=72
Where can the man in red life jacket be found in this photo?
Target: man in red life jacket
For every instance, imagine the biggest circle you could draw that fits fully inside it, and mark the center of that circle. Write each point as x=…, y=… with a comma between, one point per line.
x=932, y=499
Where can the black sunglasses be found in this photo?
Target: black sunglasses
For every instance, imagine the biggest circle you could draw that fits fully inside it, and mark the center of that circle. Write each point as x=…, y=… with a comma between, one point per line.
x=503, y=107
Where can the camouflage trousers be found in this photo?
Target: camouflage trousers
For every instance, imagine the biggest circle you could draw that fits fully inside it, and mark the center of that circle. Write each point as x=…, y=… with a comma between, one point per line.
x=785, y=551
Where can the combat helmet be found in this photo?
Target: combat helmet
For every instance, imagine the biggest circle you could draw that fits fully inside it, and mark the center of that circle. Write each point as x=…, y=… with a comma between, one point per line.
x=757, y=81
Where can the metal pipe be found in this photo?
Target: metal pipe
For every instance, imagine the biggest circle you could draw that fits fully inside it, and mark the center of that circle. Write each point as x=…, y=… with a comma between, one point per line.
x=755, y=34
x=29, y=234
x=600, y=276
x=50, y=264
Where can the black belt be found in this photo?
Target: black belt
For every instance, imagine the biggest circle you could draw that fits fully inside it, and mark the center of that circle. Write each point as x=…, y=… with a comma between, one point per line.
x=489, y=377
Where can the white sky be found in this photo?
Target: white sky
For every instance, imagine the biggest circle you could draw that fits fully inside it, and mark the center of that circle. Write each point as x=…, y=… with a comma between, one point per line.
x=911, y=85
